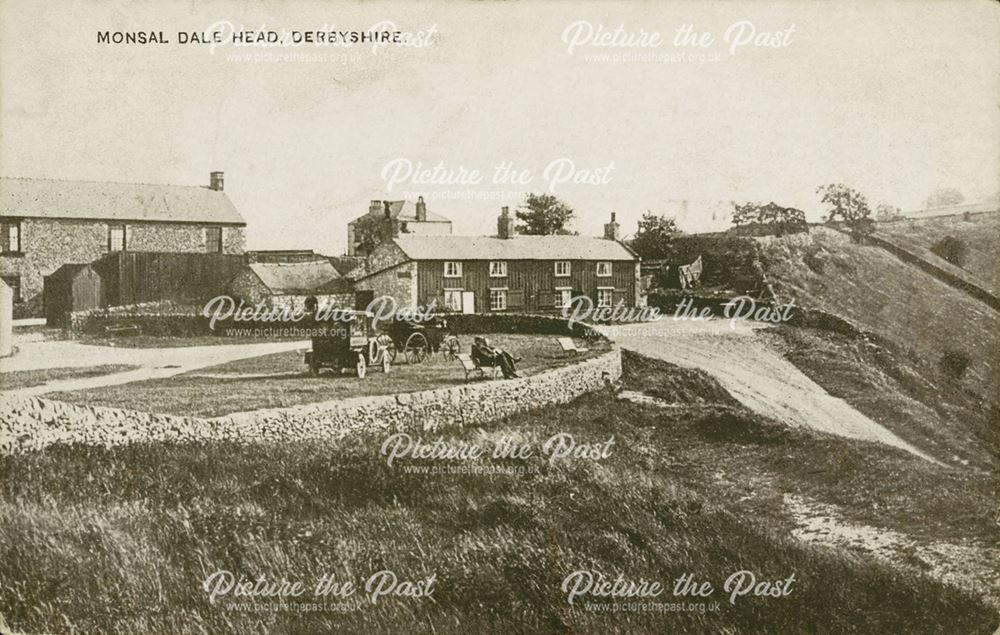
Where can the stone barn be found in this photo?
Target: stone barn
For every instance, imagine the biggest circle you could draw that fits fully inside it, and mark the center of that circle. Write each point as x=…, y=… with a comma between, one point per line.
x=288, y=284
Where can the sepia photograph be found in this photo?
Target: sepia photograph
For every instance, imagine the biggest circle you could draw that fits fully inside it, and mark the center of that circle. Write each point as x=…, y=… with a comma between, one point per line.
x=485, y=316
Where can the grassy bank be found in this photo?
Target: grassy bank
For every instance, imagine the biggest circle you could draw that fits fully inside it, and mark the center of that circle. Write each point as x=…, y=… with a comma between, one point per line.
x=121, y=540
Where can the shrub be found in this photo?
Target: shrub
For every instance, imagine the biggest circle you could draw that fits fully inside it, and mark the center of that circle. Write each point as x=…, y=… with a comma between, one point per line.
x=954, y=363
x=951, y=249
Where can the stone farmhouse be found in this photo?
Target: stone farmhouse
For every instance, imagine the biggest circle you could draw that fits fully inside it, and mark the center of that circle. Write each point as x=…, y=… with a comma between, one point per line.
x=506, y=272
x=47, y=223
x=405, y=218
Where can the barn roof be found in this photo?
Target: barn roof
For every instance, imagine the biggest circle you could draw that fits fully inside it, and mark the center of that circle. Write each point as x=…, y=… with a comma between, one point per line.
x=68, y=271
x=51, y=198
x=300, y=278
x=419, y=247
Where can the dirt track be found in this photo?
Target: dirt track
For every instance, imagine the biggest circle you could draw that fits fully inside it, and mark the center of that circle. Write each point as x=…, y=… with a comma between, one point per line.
x=754, y=373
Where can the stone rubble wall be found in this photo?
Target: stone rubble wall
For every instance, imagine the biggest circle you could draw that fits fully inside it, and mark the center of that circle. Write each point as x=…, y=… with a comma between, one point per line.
x=29, y=424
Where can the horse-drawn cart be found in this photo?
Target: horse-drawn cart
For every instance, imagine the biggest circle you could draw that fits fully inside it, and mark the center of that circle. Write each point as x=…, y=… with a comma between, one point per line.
x=417, y=340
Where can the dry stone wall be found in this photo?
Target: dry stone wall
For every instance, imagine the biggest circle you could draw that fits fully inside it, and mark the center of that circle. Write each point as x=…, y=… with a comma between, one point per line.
x=31, y=424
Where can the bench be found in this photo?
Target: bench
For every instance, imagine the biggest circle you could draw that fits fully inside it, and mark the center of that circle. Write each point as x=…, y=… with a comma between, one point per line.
x=568, y=346
x=470, y=366
x=122, y=329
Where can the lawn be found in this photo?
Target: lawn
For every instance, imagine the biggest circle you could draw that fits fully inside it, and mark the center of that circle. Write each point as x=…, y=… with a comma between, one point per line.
x=19, y=379
x=282, y=380
x=160, y=341
x=120, y=540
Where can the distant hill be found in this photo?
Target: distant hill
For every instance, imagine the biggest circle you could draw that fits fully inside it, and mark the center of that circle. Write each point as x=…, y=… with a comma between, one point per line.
x=898, y=301
x=980, y=235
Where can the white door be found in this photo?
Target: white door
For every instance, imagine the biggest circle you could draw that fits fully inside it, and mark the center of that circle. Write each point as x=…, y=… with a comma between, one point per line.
x=468, y=302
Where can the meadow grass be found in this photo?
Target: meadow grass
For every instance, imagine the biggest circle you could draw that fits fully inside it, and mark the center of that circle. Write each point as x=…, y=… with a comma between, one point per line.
x=120, y=540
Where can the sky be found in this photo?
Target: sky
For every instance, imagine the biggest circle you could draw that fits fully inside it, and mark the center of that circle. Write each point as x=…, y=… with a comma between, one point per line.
x=895, y=99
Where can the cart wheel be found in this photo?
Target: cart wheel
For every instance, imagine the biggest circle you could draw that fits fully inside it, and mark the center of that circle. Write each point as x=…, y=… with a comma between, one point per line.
x=450, y=348
x=386, y=347
x=415, y=348
x=362, y=366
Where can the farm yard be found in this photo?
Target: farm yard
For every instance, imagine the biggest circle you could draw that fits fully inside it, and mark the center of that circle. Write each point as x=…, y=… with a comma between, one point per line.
x=282, y=379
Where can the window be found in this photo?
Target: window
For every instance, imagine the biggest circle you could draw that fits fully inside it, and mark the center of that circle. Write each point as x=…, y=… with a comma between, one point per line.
x=604, y=269
x=12, y=236
x=498, y=268
x=562, y=268
x=14, y=282
x=116, y=238
x=563, y=296
x=213, y=240
x=498, y=299
x=604, y=296
x=453, y=299
x=452, y=269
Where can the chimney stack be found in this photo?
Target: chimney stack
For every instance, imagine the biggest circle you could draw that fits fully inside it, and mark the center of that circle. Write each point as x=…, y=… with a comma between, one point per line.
x=421, y=210
x=216, y=181
x=612, y=230
x=388, y=209
x=374, y=207
x=505, y=224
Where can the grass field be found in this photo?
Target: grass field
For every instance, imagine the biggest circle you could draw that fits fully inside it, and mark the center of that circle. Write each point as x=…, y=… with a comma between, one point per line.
x=980, y=234
x=917, y=402
x=28, y=378
x=120, y=540
x=282, y=380
x=917, y=312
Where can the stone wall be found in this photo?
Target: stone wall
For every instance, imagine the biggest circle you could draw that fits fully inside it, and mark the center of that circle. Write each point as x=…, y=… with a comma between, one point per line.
x=399, y=282
x=31, y=424
x=47, y=244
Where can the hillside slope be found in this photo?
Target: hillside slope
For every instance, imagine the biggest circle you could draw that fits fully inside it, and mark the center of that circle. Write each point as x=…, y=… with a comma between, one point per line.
x=888, y=297
x=980, y=234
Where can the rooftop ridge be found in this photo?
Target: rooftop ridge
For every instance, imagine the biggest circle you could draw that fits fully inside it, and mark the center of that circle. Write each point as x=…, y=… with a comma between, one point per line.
x=57, y=180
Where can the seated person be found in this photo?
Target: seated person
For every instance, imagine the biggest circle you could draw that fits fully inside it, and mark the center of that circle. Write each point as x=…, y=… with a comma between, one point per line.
x=485, y=355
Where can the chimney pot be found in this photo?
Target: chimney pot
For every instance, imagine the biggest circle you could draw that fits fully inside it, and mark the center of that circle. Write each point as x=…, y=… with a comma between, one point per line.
x=421, y=210
x=505, y=224
x=216, y=181
x=612, y=230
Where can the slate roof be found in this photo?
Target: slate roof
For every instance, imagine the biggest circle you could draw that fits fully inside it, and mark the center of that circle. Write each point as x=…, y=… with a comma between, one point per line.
x=300, y=278
x=421, y=247
x=407, y=211
x=94, y=200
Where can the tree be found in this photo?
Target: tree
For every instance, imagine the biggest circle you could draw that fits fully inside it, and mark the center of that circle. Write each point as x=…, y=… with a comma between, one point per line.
x=848, y=205
x=886, y=212
x=744, y=214
x=944, y=197
x=771, y=217
x=372, y=230
x=654, y=236
x=951, y=249
x=544, y=214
